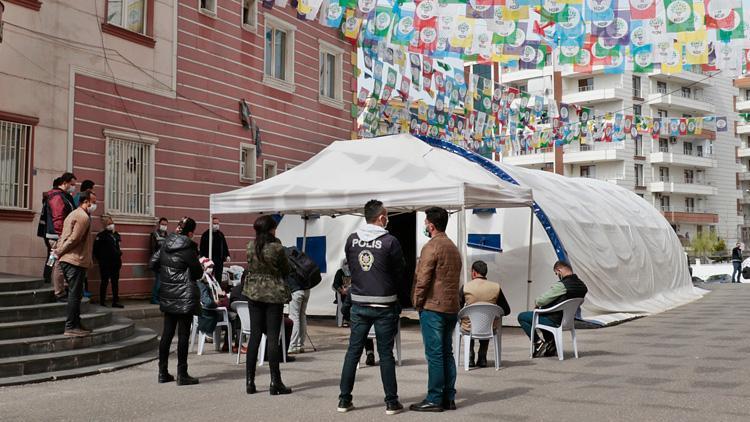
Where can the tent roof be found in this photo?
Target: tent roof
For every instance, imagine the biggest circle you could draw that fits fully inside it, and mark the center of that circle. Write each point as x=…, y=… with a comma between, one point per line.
x=404, y=172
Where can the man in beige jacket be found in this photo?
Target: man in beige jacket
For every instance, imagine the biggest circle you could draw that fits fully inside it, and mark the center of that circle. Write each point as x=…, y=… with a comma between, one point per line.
x=74, y=252
x=436, y=297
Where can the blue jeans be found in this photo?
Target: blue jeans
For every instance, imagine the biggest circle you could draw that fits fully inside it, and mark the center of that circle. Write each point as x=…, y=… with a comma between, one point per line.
x=737, y=271
x=385, y=321
x=437, y=335
x=525, y=318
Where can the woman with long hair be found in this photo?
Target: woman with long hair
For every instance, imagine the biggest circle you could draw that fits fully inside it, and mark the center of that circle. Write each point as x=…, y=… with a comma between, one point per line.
x=265, y=286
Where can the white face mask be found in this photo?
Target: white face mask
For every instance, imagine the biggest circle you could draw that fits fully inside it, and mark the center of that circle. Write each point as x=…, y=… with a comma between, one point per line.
x=163, y=227
x=111, y=227
x=71, y=188
x=216, y=227
x=92, y=208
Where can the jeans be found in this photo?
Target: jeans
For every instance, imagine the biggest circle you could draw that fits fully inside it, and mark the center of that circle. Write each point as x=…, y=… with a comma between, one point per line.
x=182, y=323
x=385, y=321
x=107, y=275
x=437, y=335
x=265, y=318
x=155, y=290
x=737, y=271
x=297, y=313
x=525, y=318
x=74, y=276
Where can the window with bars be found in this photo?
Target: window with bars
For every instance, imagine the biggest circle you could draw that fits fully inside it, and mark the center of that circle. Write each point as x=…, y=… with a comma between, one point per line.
x=129, y=174
x=585, y=84
x=661, y=87
x=128, y=14
x=15, y=142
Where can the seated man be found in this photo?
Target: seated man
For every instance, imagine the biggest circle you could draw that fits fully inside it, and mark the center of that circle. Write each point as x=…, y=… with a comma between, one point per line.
x=480, y=290
x=569, y=287
x=341, y=283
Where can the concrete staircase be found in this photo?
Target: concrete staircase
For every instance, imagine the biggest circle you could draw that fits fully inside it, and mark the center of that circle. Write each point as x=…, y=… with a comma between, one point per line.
x=32, y=345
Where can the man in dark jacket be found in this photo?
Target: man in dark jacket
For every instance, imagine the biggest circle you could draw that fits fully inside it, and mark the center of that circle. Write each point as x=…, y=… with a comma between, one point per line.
x=220, y=251
x=109, y=256
x=737, y=263
x=569, y=287
x=157, y=239
x=377, y=265
x=59, y=206
x=179, y=270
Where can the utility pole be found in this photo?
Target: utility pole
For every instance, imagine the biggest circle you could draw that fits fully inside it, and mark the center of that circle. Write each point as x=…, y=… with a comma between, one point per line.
x=557, y=89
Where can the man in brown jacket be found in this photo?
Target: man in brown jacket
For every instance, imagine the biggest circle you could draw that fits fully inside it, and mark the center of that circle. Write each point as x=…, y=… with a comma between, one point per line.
x=74, y=252
x=436, y=297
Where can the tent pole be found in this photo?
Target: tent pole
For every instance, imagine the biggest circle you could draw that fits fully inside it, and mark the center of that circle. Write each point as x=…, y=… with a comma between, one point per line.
x=462, y=244
x=304, y=232
x=531, y=248
x=210, y=236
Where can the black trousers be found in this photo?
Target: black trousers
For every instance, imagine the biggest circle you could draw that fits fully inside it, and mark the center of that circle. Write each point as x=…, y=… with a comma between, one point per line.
x=483, y=346
x=265, y=318
x=107, y=275
x=75, y=276
x=182, y=323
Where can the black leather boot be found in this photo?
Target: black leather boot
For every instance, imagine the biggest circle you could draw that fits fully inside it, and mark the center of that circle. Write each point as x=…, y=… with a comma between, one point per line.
x=164, y=375
x=185, y=379
x=250, y=378
x=277, y=386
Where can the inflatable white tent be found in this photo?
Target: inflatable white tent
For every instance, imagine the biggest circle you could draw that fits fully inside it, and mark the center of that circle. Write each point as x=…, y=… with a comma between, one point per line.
x=619, y=244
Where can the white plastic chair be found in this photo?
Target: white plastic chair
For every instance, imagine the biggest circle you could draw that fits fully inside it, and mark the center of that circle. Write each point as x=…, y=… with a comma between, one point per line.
x=243, y=311
x=339, y=313
x=397, y=341
x=482, y=317
x=569, y=308
x=216, y=335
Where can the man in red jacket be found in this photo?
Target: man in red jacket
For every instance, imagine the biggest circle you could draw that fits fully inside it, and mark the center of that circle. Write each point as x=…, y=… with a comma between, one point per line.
x=59, y=205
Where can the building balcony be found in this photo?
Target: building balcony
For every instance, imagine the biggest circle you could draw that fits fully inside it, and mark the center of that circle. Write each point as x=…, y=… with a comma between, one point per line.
x=687, y=160
x=743, y=152
x=688, y=215
x=677, y=101
x=622, y=181
x=743, y=106
x=745, y=199
x=594, y=152
x=523, y=75
x=570, y=73
x=589, y=95
x=744, y=176
x=688, y=187
x=743, y=128
x=684, y=77
x=530, y=158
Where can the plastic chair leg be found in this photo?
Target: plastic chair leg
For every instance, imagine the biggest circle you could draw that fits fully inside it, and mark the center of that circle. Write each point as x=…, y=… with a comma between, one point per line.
x=457, y=346
x=201, y=342
x=531, y=336
x=282, y=331
x=496, y=344
x=398, y=347
x=262, y=351
x=217, y=338
x=575, y=343
x=559, y=344
x=193, y=329
x=467, y=346
x=239, y=347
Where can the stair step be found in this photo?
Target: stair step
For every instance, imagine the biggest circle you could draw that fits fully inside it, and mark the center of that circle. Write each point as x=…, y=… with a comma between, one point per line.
x=31, y=312
x=121, y=329
x=13, y=283
x=82, y=361
x=27, y=297
x=50, y=326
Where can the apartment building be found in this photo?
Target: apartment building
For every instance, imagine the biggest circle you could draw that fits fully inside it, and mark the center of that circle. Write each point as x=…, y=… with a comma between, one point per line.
x=692, y=180
x=143, y=97
x=742, y=104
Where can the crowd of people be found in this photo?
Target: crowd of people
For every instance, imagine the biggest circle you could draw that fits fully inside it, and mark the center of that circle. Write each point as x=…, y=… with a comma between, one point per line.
x=370, y=286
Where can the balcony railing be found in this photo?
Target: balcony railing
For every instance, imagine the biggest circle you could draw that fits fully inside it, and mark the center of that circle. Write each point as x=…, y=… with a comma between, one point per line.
x=691, y=210
x=585, y=88
x=685, y=180
x=637, y=93
x=596, y=146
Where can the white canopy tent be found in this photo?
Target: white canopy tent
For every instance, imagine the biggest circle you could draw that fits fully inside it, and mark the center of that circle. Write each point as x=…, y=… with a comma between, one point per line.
x=400, y=170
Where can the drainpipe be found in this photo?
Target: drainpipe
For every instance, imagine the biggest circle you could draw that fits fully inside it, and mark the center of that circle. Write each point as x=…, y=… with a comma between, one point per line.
x=2, y=9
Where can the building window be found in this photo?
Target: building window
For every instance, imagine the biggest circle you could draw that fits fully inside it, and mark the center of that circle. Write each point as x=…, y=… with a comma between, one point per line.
x=15, y=157
x=689, y=176
x=128, y=14
x=662, y=113
x=639, y=175
x=637, y=86
x=663, y=145
x=279, y=53
x=585, y=84
x=747, y=95
x=129, y=173
x=247, y=163
x=661, y=87
x=484, y=71
x=588, y=171
x=289, y=166
x=699, y=151
x=330, y=75
x=250, y=14
x=664, y=202
x=664, y=174
x=687, y=148
x=207, y=6
x=689, y=204
x=685, y=91
x=637, y=110
x=269, y=169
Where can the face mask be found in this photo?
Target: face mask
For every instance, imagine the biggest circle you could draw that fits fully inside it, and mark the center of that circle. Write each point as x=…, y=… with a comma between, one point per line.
x=92, y=208
x=111, y=227
x=216, y=227
x=559, y=276
x=426, y=232
x=163, y=227
x=71, y=188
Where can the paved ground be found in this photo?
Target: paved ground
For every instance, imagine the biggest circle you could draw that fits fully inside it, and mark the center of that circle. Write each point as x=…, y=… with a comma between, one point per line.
x=689, y=364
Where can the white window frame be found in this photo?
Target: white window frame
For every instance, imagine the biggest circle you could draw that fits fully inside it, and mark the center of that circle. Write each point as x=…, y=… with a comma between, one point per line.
x=208, y=11
x=289, y=166
x=271, y=163
x=250, y=148
x=338, y=90
x=123, y=16
x=150, y=141
x=253, y=12
x=23, y=175
x=286, y=84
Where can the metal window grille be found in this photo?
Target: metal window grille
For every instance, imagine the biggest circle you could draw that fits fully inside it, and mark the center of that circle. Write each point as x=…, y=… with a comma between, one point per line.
x=128, y=179
x=15, y=139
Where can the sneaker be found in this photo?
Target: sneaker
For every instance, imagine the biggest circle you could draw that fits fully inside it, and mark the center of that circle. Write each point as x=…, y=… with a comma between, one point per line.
x=296, y=351
x=539, y=349
x=550, y=351
x=344, y=406
x=370, y=361
x=76, y=332
x=394, y=408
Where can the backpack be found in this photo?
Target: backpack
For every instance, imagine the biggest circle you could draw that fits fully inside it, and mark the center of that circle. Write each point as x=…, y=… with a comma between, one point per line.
x=305, y=272
x=746, y=273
